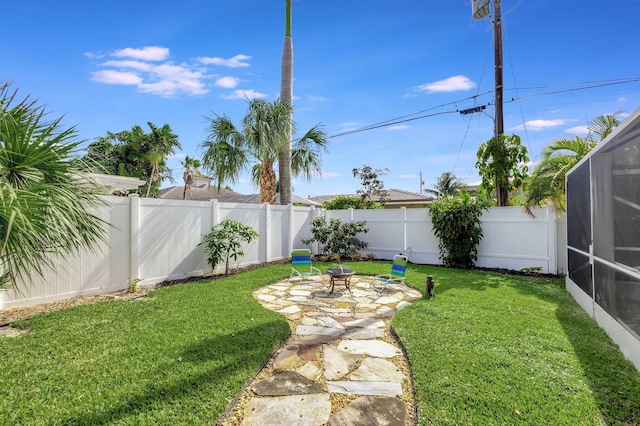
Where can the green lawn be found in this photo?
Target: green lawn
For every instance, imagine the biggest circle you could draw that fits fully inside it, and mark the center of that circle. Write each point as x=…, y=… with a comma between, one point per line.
x=489, y=349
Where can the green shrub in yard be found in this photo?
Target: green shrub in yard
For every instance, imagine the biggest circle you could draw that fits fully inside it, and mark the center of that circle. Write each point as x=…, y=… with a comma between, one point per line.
x=337, y=237
x=456, y=223
x=225, y=242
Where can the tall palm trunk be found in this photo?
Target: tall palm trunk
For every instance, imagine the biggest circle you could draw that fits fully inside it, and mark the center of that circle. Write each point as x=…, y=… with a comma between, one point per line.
x=267, y=184
x=286, y=95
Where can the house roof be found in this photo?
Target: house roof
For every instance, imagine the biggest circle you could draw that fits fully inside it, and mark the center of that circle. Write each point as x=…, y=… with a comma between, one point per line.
x=208, y=192
x=397, y=197
x=200, y=193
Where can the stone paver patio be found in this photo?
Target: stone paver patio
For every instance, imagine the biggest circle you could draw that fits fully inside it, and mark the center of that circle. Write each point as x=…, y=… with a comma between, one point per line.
x=340, y=366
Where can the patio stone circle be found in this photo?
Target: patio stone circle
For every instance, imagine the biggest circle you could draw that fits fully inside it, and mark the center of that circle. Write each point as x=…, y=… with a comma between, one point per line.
x=341, y=364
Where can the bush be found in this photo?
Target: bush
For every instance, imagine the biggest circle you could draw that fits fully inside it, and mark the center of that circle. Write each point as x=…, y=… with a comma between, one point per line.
x=225, y=242
x=337, y=238
x=456, y=223
x=344, y=202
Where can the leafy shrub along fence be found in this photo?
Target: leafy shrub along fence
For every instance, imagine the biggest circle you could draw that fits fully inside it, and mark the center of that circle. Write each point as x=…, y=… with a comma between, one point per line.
x=156, y=240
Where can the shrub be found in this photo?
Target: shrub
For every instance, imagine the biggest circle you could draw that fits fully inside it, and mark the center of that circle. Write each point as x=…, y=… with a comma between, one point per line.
x=337, y=238
x=456, y=223
x=344, y=202
x=225, y=242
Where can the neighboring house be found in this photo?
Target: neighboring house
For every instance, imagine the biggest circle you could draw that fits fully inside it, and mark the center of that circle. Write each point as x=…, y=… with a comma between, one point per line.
x=117, y=185
x=205, y=192
x=201, y=192
x=396, y=198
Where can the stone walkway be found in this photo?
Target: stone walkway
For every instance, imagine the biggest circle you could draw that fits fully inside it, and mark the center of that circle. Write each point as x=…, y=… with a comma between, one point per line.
x=340, y=366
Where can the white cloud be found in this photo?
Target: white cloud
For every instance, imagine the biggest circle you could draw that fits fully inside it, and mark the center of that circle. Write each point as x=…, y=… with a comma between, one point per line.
x=539, y=125
x=235, y=62
x=330, y=174
x=398, y=127
x=314, y=98
x=227, y=82
x=408, y=177
x=147, y=53
x=245, y=94
x=451, y=84
x=136, y=65
x=117, y=77
x=578, y=131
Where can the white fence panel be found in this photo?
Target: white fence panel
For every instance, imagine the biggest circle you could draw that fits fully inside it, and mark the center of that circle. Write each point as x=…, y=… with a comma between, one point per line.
x=253, y=215
x=421, y=241
x=169, y=235
x=514, y=240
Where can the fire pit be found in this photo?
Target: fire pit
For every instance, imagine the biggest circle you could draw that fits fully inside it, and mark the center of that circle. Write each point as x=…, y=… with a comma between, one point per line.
x=341, y=275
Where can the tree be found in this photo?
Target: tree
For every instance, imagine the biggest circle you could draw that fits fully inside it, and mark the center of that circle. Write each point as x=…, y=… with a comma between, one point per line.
x=225, y=241
x=161, y=143
x=47, y=199
x=135, y=153
x=547, y=182
x=372, y=186
x=286, y=96
x=230, y=150
x=447, y=185
x=338, y=238
x=502, y=164
x=343, y=202
x=191, y=166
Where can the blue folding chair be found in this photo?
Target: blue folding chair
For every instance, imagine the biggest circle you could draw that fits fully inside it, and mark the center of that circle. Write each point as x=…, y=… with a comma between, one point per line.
x=301, y=267
x=396, y=276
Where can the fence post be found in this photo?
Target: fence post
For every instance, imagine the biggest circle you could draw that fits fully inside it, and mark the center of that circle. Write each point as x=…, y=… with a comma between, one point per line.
x=552, y=241
x=265, y=232
x=289, y=247
x=215, y=213
x=134, y=241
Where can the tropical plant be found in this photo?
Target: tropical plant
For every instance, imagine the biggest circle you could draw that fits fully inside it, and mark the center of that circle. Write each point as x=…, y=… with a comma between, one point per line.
x=135, y=153
x=47, y=202
x=372, y=191
x=447, y=185
x=343, y=202
x=225, y=241
x=229, y=150
x=502, y=164
x=546, y=185
x=338, y=238
x=191, y=166
x=286, y=96
x=456, y=223
x=161, y=143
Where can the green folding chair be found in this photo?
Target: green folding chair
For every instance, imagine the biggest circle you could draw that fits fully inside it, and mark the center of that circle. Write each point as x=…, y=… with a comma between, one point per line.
x=396, y=276
x=302, y=268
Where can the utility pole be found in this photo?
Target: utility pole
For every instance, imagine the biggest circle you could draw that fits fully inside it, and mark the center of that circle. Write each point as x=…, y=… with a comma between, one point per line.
x=502, y=193
x=480, y=9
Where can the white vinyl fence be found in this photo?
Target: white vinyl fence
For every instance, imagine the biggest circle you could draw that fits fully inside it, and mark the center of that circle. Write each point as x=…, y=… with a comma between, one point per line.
x=158, y=240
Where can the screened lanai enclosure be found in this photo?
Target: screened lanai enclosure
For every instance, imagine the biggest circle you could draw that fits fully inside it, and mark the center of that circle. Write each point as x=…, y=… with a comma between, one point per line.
x=603, y=235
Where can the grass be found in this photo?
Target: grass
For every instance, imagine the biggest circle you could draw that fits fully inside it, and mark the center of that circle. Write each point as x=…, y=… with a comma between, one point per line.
x=179, y=358
x=489, y=349
x=496, y=349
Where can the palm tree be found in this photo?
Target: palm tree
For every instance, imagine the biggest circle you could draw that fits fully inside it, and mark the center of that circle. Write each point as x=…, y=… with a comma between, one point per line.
x=230, y=150
x=45, y=202
x=447, y=185
x=547, y=182
x=191, y=166
x=286, y=95
x=160, y=144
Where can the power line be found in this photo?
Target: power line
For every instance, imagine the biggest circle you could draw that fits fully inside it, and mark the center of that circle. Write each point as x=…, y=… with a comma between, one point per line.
x=404, y=118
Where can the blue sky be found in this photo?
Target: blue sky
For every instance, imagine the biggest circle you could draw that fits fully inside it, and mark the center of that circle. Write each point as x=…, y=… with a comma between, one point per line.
x=107, y=66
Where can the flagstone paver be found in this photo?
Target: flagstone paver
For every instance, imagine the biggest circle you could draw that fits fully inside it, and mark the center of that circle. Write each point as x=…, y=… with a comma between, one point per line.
x=340, y=345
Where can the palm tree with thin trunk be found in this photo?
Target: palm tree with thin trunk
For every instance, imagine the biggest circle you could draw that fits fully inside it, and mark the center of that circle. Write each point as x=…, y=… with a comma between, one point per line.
x=229, y=150
x=161, y=142
x=286, y=96
x=447, y=185
x=191, y=166
x=48, y=196
x=546, y=185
